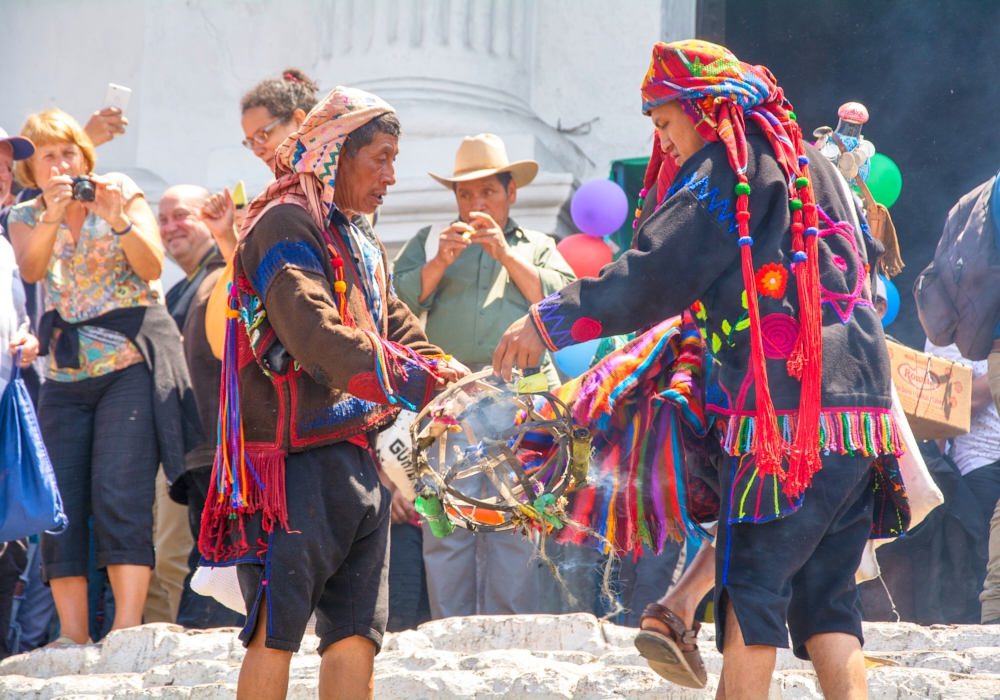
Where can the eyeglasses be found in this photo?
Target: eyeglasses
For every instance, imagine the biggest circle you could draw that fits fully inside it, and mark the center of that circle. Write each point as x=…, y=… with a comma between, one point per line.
x=261, y=135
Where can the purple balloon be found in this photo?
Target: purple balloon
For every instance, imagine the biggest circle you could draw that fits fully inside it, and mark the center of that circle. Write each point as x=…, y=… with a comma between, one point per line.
x=599, y=208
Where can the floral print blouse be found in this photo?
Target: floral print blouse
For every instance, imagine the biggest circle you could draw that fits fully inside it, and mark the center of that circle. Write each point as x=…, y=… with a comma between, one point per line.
x=90, y=279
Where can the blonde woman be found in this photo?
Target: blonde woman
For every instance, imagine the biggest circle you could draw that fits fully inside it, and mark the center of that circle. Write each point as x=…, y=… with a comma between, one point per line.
x=95, y=247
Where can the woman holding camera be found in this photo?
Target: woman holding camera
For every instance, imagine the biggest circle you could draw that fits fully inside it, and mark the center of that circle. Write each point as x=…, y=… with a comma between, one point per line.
x=94, y=244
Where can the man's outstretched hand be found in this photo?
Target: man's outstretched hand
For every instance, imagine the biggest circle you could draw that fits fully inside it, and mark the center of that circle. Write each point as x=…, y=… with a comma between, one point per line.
x=451, y=371
x=520, y=347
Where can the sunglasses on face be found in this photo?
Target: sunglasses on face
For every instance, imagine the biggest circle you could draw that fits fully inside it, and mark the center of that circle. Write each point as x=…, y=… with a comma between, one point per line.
x=261, y=135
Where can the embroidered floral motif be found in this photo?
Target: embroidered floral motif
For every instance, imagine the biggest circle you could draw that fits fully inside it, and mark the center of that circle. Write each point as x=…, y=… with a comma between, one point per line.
x=844, y=303
x=585, y=329
x=779, y=333
x=771, y=280
x=366, y=386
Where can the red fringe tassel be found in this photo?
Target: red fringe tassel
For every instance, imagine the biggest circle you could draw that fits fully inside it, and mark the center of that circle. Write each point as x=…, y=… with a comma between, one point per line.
x=806, y=360
x=768, y=436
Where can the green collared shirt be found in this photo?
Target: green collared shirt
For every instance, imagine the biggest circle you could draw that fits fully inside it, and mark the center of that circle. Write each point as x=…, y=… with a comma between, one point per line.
x=476, y=300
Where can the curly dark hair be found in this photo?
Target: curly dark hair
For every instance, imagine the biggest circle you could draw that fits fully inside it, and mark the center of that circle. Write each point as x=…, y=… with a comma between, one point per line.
x=282, y=96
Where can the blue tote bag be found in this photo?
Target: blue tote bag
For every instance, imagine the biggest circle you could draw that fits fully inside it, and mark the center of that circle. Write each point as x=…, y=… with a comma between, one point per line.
x=29, y=498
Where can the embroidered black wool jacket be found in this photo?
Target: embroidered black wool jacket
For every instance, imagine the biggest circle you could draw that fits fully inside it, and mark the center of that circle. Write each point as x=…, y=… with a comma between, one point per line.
x=686, y=256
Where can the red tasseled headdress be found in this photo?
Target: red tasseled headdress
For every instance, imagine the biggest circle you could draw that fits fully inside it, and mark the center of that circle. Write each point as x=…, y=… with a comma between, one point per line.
x=718, y=93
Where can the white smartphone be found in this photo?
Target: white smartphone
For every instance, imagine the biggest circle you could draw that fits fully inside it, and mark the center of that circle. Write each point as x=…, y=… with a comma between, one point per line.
x=117, y=96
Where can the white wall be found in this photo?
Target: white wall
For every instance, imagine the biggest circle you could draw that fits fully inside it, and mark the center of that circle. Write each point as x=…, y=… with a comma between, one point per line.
x=450, y=67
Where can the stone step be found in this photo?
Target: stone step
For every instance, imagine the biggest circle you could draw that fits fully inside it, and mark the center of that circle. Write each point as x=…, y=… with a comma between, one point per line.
x=543, y=657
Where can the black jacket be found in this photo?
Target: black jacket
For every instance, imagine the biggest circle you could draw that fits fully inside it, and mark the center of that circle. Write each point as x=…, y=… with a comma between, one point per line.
x=686, y=252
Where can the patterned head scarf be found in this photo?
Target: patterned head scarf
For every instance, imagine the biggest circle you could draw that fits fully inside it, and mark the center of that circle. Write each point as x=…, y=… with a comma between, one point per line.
x=306, y=162
x=718, y=93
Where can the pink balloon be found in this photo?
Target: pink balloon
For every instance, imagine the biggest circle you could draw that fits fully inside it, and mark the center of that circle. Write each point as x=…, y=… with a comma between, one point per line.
x=585, y=254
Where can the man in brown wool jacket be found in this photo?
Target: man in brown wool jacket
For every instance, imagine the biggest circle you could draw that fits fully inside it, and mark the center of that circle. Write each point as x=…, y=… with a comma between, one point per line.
x=319, y=355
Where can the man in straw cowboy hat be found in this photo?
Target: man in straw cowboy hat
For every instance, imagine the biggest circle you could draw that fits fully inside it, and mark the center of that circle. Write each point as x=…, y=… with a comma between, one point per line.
x=472, y=279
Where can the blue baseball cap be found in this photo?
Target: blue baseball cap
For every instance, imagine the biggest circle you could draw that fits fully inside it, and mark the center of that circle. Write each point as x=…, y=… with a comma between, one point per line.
x=23, y=148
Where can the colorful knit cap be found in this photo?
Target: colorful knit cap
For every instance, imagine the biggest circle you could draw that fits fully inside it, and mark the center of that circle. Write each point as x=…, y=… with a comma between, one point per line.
x=718, y=93
x=305, y=164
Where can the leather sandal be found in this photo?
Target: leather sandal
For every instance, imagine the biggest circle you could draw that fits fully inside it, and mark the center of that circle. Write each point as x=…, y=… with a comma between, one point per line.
x=665, y=653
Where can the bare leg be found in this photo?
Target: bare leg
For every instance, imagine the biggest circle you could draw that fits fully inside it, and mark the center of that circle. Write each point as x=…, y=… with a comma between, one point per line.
x=129, y=583
x=70, y=594
x=693, y=585
x=264, y=673
x=839, y=664
x=746, y=669
x=347, y=671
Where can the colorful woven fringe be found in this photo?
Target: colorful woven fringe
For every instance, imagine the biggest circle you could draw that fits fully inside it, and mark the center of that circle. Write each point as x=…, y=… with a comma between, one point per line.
x=238, y=476
x=864, y=432
x=638, y=402
x=391, y=356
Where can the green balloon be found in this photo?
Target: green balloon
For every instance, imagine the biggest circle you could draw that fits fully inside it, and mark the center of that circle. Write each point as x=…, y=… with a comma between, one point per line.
x=884, y=180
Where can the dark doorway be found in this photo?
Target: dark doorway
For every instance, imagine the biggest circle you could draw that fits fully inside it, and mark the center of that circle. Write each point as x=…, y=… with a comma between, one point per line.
x=926, y=70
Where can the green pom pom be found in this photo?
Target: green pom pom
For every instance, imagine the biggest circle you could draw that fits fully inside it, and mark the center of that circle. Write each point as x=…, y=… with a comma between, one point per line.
x=791, y=115
x=801, y=182
x=795, y=204
x=742, y=188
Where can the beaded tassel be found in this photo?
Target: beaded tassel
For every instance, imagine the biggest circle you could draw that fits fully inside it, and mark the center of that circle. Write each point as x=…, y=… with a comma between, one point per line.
x=339, y=285
x=768, y=436
x=806, y=360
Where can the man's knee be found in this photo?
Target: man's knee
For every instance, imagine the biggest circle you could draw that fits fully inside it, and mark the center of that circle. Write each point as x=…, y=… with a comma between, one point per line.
x=355, y=647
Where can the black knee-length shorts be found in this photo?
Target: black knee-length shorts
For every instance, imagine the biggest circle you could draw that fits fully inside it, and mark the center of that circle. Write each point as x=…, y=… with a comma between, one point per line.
x=800, y=568
x=334, y=558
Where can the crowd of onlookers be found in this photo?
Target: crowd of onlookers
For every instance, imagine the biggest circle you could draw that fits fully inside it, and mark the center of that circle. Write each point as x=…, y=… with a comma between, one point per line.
x=102, y=344
x=111, y=358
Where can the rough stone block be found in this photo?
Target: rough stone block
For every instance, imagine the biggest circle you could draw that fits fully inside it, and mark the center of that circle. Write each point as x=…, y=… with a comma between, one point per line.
x=57, y=661
x=92, y=684
x=575, y=632
x=636, y=683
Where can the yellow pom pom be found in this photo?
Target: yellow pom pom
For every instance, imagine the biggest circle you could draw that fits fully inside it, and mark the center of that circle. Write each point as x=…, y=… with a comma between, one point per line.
x=340, y=286
x=232, y=313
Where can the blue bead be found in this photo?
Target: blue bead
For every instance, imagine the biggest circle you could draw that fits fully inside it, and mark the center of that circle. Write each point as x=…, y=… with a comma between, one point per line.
x=811, y=231
x=799, y=257
x=803, y=161
x=745, y=240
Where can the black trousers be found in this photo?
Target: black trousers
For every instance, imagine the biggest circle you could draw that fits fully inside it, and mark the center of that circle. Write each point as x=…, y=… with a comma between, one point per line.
x=333, y=559
x=101, y=438
x=409, y=605
x=13, y=559
x=799, y=569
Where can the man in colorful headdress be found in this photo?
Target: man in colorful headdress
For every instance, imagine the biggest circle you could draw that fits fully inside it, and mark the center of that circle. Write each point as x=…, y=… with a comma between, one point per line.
x=319, y=355
x=758, y=228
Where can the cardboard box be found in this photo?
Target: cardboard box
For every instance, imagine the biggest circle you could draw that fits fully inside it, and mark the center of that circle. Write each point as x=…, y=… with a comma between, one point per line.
x=936, y=393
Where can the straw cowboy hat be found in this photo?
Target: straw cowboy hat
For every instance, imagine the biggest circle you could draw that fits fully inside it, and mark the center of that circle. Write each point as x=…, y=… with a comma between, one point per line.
x=485, y=155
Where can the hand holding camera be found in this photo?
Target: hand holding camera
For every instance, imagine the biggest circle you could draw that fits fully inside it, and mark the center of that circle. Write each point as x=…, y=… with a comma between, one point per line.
x=106, y=200
x=57, y=193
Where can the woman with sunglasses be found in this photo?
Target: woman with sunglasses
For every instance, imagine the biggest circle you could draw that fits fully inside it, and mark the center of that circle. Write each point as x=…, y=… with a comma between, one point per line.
x=275, y=108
